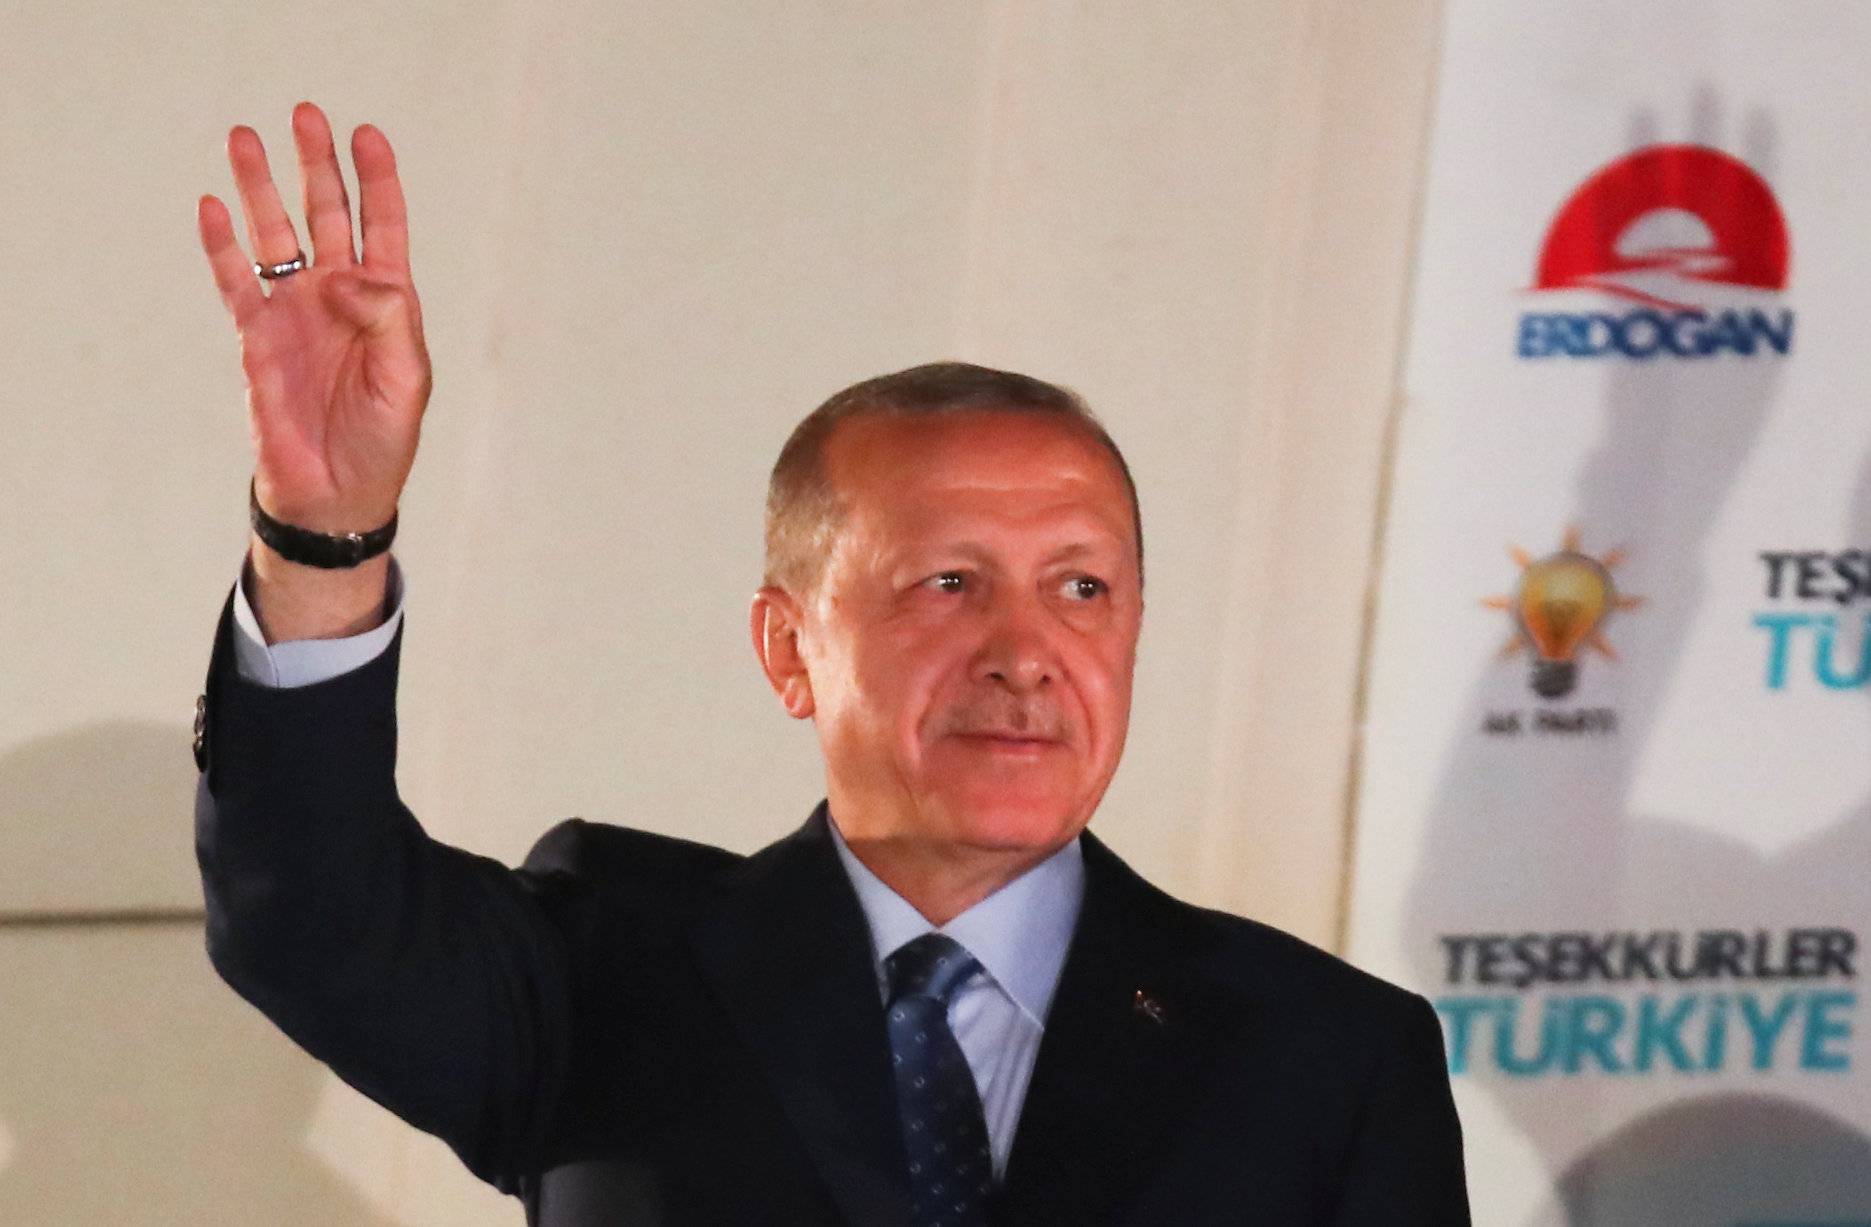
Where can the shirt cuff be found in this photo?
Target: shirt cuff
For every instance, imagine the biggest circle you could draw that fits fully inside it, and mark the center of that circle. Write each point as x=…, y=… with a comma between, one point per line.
x=302, y=662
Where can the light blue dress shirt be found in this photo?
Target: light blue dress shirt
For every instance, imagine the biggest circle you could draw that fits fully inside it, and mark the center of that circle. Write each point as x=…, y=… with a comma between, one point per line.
x=301, y=662
x=1019, y=934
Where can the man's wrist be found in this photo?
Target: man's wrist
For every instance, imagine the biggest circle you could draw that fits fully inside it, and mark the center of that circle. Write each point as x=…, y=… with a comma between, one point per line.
x=314, y=547
x=295, y=601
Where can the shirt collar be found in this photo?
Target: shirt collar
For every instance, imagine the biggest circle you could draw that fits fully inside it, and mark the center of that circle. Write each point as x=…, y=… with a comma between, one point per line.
x=1019, y=933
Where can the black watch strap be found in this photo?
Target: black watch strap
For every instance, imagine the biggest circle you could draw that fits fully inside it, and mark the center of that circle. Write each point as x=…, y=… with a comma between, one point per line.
x=330, y=551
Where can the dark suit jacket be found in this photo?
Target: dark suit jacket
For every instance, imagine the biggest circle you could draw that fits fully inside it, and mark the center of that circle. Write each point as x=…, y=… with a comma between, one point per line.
x=637, y=1029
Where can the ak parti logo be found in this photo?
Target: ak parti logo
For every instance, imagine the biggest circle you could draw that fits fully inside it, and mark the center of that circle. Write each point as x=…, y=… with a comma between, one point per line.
x=1687, y=251
x=1559, y=608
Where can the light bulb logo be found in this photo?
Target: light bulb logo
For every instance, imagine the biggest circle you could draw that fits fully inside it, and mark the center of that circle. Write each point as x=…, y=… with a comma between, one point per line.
x=1561, y=607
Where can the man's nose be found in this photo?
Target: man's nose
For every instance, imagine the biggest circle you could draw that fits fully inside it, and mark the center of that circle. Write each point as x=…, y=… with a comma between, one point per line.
x=1018, y=650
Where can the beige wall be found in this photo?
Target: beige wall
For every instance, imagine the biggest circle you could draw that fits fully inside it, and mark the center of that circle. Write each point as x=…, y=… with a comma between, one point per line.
x=649, y=236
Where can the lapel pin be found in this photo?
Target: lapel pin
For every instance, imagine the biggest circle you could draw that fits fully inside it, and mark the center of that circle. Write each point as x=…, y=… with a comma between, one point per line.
x=1149, y=1007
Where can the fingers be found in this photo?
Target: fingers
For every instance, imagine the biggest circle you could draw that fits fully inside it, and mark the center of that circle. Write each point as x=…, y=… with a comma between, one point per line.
x=327, y=208
x=273, y=240
x=386, y=224
x=268, y=227
x=233, y=273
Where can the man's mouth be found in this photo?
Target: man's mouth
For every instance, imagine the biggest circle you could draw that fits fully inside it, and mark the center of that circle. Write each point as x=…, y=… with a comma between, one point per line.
x=1007, y=739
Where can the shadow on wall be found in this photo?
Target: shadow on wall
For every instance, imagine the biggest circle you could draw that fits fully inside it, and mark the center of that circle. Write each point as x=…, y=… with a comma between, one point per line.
x=1716, y=1160
x=89, y=818
x=1532, y=835
x=135, y=1088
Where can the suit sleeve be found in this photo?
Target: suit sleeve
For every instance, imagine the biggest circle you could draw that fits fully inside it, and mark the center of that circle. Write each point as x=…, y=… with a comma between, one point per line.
x=1404, y=1167
x=432, y=980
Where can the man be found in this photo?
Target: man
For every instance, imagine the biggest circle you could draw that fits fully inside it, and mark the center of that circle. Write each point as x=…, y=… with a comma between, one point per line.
x=938, y=1002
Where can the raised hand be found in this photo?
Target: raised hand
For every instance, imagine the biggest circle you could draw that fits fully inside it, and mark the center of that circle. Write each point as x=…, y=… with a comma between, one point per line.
x=337, y=372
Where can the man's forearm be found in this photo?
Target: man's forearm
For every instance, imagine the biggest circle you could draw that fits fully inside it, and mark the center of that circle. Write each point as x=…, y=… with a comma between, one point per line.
x=294, y=601
x=428, y=977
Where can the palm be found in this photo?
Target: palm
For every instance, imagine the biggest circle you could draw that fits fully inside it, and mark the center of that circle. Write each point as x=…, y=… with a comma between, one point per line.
x=334, y=409
x=337, y=373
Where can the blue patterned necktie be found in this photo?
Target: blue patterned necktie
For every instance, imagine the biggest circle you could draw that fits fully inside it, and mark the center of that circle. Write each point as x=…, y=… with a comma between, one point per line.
x=951, y=1168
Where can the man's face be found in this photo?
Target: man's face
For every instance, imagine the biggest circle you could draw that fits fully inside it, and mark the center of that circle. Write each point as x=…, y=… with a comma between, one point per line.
x=971, y=642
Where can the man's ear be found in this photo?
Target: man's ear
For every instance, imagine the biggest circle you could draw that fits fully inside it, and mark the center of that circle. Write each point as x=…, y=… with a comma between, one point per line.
x=775, y=621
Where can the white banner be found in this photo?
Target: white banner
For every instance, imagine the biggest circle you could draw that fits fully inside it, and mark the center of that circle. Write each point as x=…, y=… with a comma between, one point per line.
x=1615, y=805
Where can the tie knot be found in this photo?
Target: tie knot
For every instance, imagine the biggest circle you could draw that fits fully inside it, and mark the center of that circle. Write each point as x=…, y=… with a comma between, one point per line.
x=931, y=966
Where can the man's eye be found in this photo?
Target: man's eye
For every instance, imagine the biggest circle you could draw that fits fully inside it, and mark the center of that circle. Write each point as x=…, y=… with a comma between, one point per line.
x=1086, y=587
x=946, y=581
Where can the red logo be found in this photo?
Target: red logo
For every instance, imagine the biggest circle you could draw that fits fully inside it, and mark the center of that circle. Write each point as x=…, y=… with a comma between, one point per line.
x=1658, y=225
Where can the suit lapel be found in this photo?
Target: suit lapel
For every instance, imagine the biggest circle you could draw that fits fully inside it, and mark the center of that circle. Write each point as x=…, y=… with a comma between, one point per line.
x=1134, y=1037
x=788, y=953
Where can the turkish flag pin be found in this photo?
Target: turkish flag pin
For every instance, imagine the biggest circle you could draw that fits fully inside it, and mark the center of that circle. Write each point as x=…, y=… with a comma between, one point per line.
x=1149, y=1007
